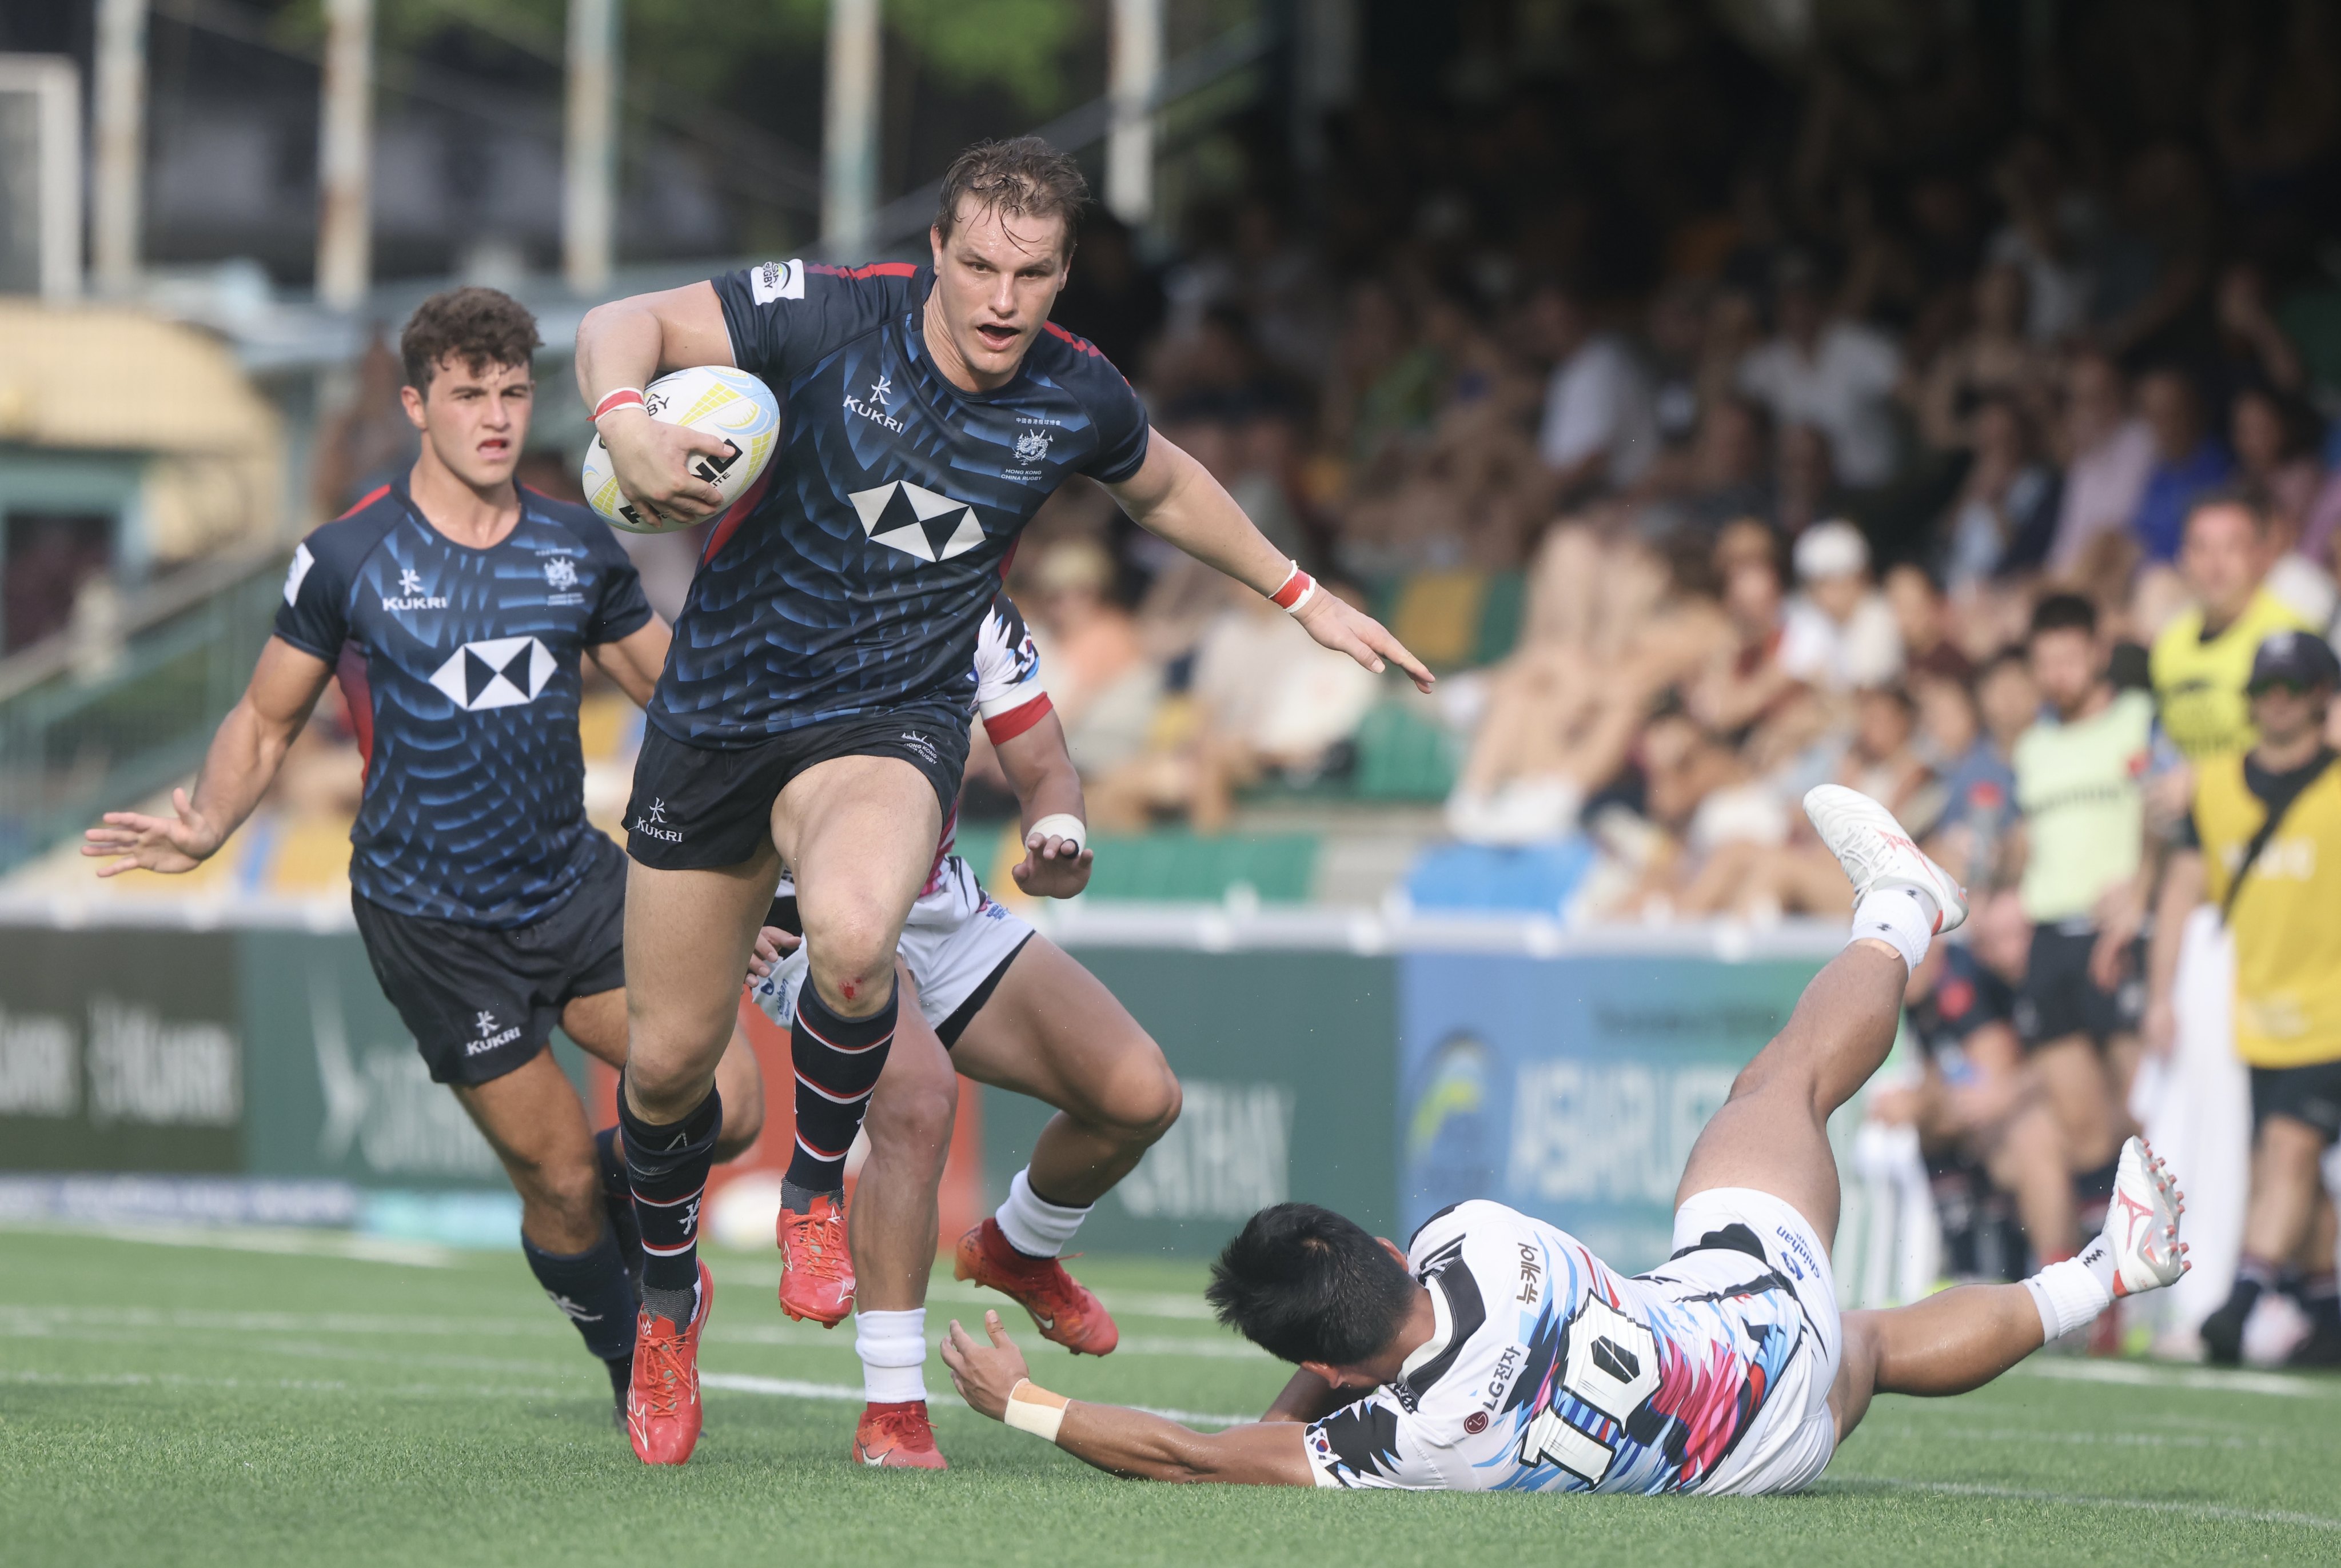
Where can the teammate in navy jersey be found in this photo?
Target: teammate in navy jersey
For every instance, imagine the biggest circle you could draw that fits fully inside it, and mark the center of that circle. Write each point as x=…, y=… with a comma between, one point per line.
x=1495, y=1352
x=455, y=607
x=814, y=707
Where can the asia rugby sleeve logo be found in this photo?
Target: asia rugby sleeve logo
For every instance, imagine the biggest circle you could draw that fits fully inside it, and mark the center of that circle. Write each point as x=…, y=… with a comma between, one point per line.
x=776, y=281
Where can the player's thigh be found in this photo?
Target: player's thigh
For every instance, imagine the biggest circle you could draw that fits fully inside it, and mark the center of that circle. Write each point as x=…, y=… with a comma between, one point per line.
x=598, y=1023
x=858, y=833
x=1856, y=1373
x=1767, y=1138
x=1052, y=1031
x=532, y=1118
x=689, y=935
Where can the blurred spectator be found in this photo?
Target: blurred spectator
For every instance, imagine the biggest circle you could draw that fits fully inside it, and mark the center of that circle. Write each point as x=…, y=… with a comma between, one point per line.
x=1995, y=360
x=1600, y=426
x=1884, y=764
x=2005, y=514
x=1923, y=617
x=1804, y=489
x=1101, y=682
x=1726, y=477
x=1110, y=296
x=1678, y=332
x=1839, y=633
x=2109, y=456
x=370, y=441
x=1830, y=372
x=2275, y=442
x=1973, y=740
x=2048, y=235
x=1745, y=683
x=2188, y=460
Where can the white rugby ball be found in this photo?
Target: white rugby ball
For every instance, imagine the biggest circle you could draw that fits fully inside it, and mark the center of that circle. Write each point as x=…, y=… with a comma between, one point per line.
x=728, y=404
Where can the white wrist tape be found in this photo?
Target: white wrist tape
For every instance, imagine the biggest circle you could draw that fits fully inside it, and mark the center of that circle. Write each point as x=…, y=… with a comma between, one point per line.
x=1035, y=1410
x=1061, y=824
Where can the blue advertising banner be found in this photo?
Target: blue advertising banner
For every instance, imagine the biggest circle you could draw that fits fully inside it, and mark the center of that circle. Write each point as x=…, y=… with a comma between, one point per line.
x=1572, y=1087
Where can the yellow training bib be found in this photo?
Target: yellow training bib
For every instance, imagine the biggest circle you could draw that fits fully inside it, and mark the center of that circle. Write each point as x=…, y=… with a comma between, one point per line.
x=2287, y=941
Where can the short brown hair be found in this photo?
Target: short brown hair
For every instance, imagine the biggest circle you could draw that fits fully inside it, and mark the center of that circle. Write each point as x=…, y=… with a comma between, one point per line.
x=1024, y=177
x=481, y=327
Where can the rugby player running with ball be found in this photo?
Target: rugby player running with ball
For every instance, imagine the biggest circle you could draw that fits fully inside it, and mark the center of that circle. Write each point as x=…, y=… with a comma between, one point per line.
x=813, y=709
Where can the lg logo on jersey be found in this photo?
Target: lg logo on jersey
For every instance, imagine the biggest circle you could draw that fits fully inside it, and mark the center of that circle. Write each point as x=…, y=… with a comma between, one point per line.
x=500, y=672
x=917, y=522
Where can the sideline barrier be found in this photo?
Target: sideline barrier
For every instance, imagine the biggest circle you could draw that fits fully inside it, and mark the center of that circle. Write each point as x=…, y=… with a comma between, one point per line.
x=1384, y=1066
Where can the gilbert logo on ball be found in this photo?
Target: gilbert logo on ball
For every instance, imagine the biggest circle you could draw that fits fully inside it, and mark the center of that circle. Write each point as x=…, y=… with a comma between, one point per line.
x=729, y=404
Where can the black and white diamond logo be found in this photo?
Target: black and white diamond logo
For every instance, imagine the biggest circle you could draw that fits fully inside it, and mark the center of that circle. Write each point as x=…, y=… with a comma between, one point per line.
x=502, y=672
x=917, y=522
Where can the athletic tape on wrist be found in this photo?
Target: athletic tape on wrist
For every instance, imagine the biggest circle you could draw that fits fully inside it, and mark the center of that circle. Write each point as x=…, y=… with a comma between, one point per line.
x=1298, y=589
x=1061, y=824
x=622, y=397
x=1035, y=1410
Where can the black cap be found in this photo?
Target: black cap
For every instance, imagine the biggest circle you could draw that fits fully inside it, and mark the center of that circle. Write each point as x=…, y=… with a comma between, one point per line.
x=2299, y=658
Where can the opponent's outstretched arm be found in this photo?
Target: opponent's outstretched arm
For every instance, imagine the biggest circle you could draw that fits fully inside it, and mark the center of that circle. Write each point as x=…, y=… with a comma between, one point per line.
x=245, y=752
x=1125, y=1441
x=1175, y=497
x=1039, y=769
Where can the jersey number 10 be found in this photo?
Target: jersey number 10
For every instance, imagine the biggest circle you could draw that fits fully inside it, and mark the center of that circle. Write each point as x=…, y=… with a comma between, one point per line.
x=1613, y=1367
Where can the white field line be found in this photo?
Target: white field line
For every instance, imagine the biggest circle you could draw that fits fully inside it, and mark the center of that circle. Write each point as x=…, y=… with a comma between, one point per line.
x=288, y=1240
x=752, y=1269
x=2145, y=1374
x=791, y=1388
x=2076, y=1439
x=2078, y=1500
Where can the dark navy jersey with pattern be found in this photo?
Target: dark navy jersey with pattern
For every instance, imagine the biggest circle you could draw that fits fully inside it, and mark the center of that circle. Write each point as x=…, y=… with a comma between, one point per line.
x=461, y=669
x=854, y=577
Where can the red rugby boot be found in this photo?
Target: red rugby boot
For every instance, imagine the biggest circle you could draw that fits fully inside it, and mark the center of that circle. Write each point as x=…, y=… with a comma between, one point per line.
x=1062, y=1308
x=663, y=1412
x=897, y=1437
x=816, y=1269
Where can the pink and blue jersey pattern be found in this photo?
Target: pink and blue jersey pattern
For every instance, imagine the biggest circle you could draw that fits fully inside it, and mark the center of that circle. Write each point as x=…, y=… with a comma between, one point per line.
x=854, y=577
x=1548, y=1371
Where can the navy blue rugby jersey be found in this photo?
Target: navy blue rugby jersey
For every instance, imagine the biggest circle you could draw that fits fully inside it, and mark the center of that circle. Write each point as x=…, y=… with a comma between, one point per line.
x=854, y=579
x=461, y=668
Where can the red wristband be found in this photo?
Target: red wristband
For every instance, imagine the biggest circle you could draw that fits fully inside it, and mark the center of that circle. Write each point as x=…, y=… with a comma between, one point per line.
x=624, y=397
x=1296, y=590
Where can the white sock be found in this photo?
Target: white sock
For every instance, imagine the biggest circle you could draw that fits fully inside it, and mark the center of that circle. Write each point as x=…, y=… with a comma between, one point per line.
x=1899, y=918
x=2074, y=1292
x=1033, y=1226
x=892, y=1346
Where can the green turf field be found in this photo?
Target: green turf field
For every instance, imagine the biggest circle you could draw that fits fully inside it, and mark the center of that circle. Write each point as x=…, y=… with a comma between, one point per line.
x=265, y=1398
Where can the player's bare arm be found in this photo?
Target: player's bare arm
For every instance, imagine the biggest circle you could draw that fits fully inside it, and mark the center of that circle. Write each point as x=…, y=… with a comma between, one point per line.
x=1308, y=1396
x=635, y=660
x=1041, y=771
x=1124, y=1442
x=244, y=755
x=628, y=343
x=1175, y=497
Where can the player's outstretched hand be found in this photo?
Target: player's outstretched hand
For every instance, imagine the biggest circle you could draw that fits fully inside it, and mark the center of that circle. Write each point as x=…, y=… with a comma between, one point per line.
x=984, y=1375
x=130, y=841
x=1345, y=629
x=1052, y=868
x=652, y=460
x=772, y=943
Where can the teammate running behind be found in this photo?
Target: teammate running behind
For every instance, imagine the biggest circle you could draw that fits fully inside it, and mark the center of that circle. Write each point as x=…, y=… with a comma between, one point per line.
x=2264, y=846
x=455, y=606
x=1497, y=1353
x=814, y=710
x=1017, y=1012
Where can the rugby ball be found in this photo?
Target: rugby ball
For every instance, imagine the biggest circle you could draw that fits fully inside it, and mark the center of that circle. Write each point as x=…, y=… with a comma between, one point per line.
x=727, y=403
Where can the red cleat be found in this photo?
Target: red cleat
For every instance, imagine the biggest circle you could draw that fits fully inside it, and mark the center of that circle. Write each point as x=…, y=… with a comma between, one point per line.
x=1062, y=1308
x=663, y=1414
x=816, y=1269
x=897, y=1437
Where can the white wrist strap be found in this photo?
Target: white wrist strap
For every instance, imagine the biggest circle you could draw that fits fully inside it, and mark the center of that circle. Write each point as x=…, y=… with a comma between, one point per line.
x=1060, y=825
x=1035, y=1410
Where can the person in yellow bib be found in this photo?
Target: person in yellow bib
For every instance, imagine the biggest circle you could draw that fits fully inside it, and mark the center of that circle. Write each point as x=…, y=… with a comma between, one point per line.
x=2078, y=773
x=2264, y=845
x=2201, y=661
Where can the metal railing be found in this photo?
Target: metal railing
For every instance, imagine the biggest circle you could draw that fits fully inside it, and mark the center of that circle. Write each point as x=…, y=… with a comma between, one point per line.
x=87, y=728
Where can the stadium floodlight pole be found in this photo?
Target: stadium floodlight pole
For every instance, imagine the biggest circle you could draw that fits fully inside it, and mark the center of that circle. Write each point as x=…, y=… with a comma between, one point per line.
x=848, y=132
x=116, y=176
x=1137, y=71
x=346, y=155
x=589, y=195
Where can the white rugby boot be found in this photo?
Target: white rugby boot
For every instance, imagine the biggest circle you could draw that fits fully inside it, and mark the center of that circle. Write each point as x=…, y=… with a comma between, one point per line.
x=1877, y=853
x=2141, y=1230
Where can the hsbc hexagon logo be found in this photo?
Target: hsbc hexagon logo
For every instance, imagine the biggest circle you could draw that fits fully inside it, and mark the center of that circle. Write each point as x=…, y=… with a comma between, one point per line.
x=500, y=672
x=917, y=522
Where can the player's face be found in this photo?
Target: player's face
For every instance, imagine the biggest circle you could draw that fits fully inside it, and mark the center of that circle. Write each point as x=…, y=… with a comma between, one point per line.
x=477, y=421
x=996, y=279
x=2221, y=558
x=2064, y=666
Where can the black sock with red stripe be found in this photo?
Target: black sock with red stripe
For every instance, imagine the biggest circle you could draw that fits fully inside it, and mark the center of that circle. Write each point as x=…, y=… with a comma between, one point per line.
x=667, y=1166
x=837, y=1061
